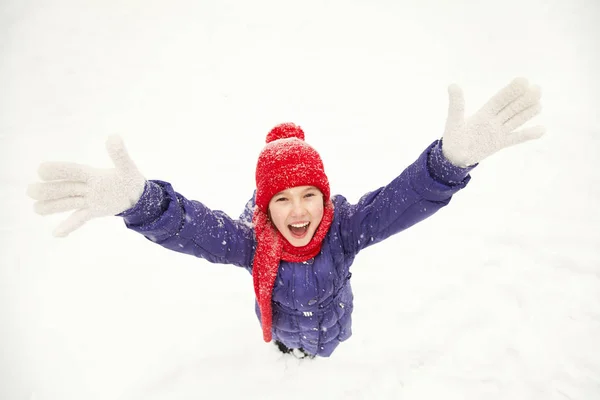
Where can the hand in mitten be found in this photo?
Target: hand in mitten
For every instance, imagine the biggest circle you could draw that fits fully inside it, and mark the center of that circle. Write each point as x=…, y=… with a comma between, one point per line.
x=91, y=192
x=468, y=141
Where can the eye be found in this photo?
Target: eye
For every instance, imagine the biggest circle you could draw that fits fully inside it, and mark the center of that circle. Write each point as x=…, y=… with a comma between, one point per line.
x=280, y=199
x=309, y=194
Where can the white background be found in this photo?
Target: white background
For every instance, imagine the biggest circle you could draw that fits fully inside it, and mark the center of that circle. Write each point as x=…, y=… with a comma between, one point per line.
x=497, y=296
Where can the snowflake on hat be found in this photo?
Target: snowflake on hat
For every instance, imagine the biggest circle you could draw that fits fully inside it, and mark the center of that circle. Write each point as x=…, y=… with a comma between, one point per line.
x=285, y=162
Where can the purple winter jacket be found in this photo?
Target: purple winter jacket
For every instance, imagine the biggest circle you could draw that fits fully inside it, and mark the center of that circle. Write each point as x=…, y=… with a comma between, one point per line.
x=312, y=300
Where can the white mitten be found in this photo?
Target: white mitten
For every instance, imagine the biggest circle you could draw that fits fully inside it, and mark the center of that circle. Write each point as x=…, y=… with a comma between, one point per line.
x=91, y=192
x=492, y=128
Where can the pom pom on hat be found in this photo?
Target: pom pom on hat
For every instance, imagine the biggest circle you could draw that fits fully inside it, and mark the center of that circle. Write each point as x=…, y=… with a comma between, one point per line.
x=284, y=131
x=288, y=161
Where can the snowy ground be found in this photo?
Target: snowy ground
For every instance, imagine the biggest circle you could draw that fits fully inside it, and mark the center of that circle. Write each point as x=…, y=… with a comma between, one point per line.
x=495, y=297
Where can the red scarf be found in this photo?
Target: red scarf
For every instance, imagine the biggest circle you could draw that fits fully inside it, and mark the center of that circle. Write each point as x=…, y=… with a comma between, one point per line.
x=271, y=248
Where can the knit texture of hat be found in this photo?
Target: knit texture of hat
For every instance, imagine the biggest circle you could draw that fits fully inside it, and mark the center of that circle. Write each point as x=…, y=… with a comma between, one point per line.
x=285, y=162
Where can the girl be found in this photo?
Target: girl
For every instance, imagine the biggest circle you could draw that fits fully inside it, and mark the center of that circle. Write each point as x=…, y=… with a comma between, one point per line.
x=296, y=240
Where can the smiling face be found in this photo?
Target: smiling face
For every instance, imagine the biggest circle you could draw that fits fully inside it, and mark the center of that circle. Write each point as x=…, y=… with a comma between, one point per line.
x=296, y=213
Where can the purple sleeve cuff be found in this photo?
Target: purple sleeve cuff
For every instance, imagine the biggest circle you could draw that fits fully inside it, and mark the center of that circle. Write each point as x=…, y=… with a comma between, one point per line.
x=442, y=170
x=149, y=207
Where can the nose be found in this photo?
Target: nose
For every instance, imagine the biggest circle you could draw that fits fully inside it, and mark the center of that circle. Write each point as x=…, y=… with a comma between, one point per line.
x=298, y=209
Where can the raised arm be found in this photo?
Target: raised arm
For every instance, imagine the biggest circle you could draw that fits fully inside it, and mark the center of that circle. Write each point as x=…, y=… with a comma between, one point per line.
x=148, y=207
x=429, y=183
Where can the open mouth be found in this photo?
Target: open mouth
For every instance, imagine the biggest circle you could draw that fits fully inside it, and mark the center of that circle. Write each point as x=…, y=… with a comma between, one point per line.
x=299, y=230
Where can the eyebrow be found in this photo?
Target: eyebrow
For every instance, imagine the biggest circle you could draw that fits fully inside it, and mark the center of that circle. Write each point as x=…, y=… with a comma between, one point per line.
x=304, y=191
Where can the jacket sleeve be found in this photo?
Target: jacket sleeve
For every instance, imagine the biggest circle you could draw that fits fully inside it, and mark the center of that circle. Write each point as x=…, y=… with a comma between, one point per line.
x=167, y=218
x=418, y=192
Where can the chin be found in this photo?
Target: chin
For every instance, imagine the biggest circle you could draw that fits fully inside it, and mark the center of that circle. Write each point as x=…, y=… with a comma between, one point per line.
x=298, y=243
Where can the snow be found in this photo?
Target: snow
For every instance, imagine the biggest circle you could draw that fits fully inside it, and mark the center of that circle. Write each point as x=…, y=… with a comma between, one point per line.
x=496, y=297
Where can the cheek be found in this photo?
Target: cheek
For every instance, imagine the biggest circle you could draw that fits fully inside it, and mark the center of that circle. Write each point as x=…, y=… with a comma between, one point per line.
x=277, y=216
x=317, y=211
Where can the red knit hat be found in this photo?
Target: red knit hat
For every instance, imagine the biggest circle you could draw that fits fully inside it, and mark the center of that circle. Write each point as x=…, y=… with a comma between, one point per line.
x=288, y=161
x=285, y=162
